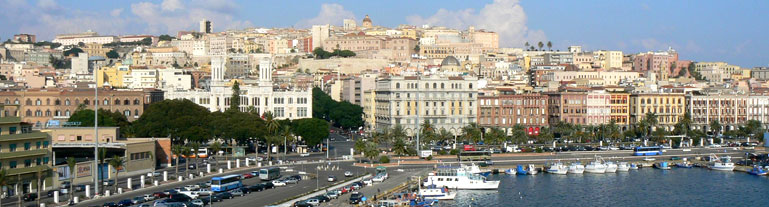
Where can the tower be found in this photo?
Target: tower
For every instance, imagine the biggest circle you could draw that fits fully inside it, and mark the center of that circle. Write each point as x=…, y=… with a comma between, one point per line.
x=367, y=22
x=265, y=72
x=217, y=69
x=205, y=26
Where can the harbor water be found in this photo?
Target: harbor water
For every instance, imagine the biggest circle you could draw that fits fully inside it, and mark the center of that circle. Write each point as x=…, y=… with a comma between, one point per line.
x=644, y=187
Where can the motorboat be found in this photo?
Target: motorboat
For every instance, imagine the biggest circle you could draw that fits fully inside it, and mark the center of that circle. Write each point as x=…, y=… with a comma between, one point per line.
x=475, y=169
x=532, y=170
x=558, y=168
x=721, y=164
x=634, y=166
x=510, y=171
x=684, y=164
x=623, y=167
x=459, y=178
x=433, y=192
x=596, y=166
x=611, y=167
x=529, y=170
x=757, y=170
x=662, y=166
x=576, y=168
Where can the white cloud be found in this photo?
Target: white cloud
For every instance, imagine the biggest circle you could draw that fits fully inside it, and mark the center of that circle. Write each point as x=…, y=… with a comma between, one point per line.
x=47, y=4
x=171, y=5
x=505, y=17
x=162, y=19
x=329, y=14
x=116, y=12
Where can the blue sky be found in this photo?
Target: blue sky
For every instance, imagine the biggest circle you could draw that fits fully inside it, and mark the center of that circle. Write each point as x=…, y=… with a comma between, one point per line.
x=700, y=30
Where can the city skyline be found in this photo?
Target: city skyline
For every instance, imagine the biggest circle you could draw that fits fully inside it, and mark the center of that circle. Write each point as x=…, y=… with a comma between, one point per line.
x=659, y=24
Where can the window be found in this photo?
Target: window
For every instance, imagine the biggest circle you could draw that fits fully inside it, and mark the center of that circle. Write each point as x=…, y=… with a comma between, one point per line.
x=117, y=101
x=136, y=112
x=45, y=144
x=37, y=144
x=57, y=102
x=27, y=146
x=301, y=111
x=136, y=101
x=79, y=138
x=12, y=165
x=106, y=102
x=126, y=102
x=66, y=113
x=38, y=161
x=27, y=163
x=86, y=102
x=66, y=102
x=127, y=113
x=38, y=102
x=12, y=147
x=45, y=160
x=397, y=85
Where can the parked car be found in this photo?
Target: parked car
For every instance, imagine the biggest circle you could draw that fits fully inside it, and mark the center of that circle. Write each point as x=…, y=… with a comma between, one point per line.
x=237, y=192
x=356, y=197
x=29, y=197
x=50, y=193
x=197, y=202
x=322, y=198
x=278, y=183
x=65, y=184
x=125, y=203
x=191, y=187
x=160, y=195
x=256, y=187
x=368, y=182
x=291, y=181
x=204, y=192
x=245, y=189
x=348, y=174
x=80, y=188
x=213, y=198
x=268, y=185
x=247, y=176
x=192, y=166
x=224, y=195
x=302, y=204
x=109, y=183
x=332, y=194
x=313, y=201
x=331, y=178
x=110, y=204
x=148, y=197
x=138, y=200
x=255, y=173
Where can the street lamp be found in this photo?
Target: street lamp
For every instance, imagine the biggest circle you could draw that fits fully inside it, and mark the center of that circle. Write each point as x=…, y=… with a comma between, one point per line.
x=96, y=133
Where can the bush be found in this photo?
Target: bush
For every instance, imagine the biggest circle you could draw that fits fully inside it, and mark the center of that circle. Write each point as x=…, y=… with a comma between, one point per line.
x=384, y=159
x=454, y=152
x=429, y=157
x=411, y=152
x=442, y=152
x=539, y=150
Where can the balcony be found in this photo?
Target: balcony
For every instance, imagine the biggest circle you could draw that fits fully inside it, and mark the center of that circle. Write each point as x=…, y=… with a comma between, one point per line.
x=26, y=170
x=25, y=153
x=9, y=119
x=24, y=136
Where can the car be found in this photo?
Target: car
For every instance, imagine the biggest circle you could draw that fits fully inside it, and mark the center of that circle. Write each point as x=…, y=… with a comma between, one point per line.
x=191, y=187
x=30, y=197
x=178, y=197
x=192, y=166
x=50, y=193
x=125, y=203
x=245, y=189
x=348, y=174
x=322, y=198
x=357, y=185
x=110, y=204
x=225, y=195
x=332, y=194
x=313, y=201
x=237, y=192
x=197, y=202
x=649, y=159
x=255, y=173
x=65, y=184
x=256, y=187
x=79, y=188
x=296, y=177
x=204, y=192
x=304, y=154
x=331, y=178
x=160, y=195
x=268, y=185
x=713, y=146
x=109, y=183
x=138, y=200
x=212, y=198
x=356, y=197
x=368, y=182
x=148, y=197
x=247, y=176
x=191, y=194
x=302, y=204
x=278, y=183
x=346, y=189
x=675, y=158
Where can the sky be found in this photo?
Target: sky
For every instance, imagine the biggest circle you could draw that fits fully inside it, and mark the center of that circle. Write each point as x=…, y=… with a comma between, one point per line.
x=705, y=30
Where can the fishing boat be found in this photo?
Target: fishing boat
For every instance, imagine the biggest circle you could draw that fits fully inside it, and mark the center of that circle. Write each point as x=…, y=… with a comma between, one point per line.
x=558, y=168
x=634, y=166
x=532, y=170
x=611, y=167
x=662, y=166
x=475, y=169
x=433, y=192
x=721, y=164
x=459, y=178
x=757, y=170
x=576, y=168
x=510, y=171
x=596, y=166
x=684, y=164
x=623, y=167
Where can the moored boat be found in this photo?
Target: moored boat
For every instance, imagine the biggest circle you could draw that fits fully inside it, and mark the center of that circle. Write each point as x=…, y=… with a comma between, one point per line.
x=576, y=168
x=433, y=192
x=611, y=167
x=757, y=170
x=596, y=166
x=558, y=168
x=634, y=166
x=459, y=178
x=684, y=164
x=623, y=167
x=721, y=164
x=662, y=166
x=532, y=170
x=510, y=171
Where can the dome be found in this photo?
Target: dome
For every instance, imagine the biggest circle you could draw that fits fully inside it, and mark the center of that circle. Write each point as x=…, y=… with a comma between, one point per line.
x=366, y=19
x=450, y=61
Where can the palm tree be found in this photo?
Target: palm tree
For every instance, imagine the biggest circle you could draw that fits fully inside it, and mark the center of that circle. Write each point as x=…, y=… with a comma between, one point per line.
x=540, y=45
x=526, y=46
x=288, y=136
x=427, y=132
x=715, y=127
x=272, y=139
x=444, y=135
x=272, y=124
x=549, y=45
x=396, y=133
x=177, y=151
x=117, y=163
x=194, y=147
x=71, y=164
x=39, y=185
x=3, y=181
x=215, y=147
x=399, y=147
x=519, y=134
x=187, y=153
x=472, y=133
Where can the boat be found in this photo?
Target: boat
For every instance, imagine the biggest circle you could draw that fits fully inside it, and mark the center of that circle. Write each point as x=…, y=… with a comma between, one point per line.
x=662, y=166
x=757, y=170
x=576, y=168
x=684, y=164
x=558, y=168
x=510, y=171
x=623, y=167
x=611, y=167
x=721, y=164
x=459, y=178
x=596, y=166
x=634, y=166
x=433, y=192
x=520, y=170
x=475, y=169
x=532, y=170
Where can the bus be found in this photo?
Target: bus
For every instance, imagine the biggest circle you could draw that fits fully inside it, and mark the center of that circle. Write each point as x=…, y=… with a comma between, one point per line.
x=644, y=151
x=269, y=173
x=202, y=153
x=225, y=183
x=474, y=155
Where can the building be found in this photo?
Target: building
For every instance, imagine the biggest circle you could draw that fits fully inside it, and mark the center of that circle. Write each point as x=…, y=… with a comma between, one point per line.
x=608, y=59
x=730, y=110
x=668, y=106
x=205, y=26
x=25, y=153
x=598, y=107
x=505, y=109
x=112, y=76
x=354, y=87
x=447, y=102
x=24, y=38
x=367, y=22
x=349, y=25
x=87, y=37
x=320, y=34
x=758, y=109
x=620, y=108
x=569, y=106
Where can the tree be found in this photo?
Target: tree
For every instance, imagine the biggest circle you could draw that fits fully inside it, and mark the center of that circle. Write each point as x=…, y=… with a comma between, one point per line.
x=399, y=146
x=117, y=163
x=494, y=136
x=526, y=46
x=146, y=41
x=319, y=53
x=235, y=99
x=194, y=147
x=545, y=135
x=71, y=163
x=288, y=136
x=74, y=51
x=371, y=151
x=519, y=134
x=165, y=37
x=312, y=130
x=359, y=146
x=177, y=151
x=3, y=182
x=396, y=133
x=427, y=133
x=540, y=45
x=444, y=135
x=416, y=49
x=715, y=127
x=531, y=48
x=649, y=121
x=755, y=129
x=471, y=133
x=177, y=119
x=113, y=54
x=272, y=124
x=215, y=147
x=342, y=114
x=683, y=127
x=549, y=45
x=271, y=139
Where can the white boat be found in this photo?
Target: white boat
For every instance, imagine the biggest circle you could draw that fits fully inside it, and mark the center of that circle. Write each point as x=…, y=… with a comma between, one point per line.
x=576, y=168
x=623, y=167
x=558, y=168
x=510, y=171
x=459, y=178
x=596, y=166
x=475, y=169
x=611, y=167
x=721, y=164
x=634, y=166
x=437, y=193
x=532, y=170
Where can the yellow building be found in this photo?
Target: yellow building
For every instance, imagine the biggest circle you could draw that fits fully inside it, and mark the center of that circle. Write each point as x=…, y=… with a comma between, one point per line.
x=95, y=49
x=369, y=110
x=23, y=154
x=409, y=33
x=112, y=75
x=620, y=112
x=669, y=108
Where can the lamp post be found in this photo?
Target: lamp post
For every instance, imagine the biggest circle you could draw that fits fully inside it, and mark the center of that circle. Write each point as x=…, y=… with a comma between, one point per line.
x=96, y=133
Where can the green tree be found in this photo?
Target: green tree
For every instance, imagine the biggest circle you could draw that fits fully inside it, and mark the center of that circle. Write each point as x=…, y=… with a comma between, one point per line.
x=549, y=45
x=545, y=135
x=396, y=133
x=526, y=46
x=471, y=133
x=288, y=137
x=417, y=49
x=117, y=163
x=270, y=140
x=235, y=99
x=85, y=117
x=165, y=37
x=359, y=146
x=215, y=147
x=178, y=119
x=177, y=151
x=371, y=151
x=755, y=129
x=399, y=146
x=312, y=130
x=649, y=122
x=494, y=136
x=540, y=45
x=444, y=135
x=71, y=163
x=519, y=134
x=113, y=54
x=194, y=148
x=427, y=133
x=715, y=127
x=272, y=124
x=74, y=51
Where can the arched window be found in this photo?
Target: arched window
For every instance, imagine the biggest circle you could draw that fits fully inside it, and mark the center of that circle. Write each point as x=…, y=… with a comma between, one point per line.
x=106, y=102
x=47, y=112
x=435, y=85
x=126, y=102
x=66, y=113
x=136, y=101
x=7, y=101
x=29, y=102
x=471, y=86
x=38, y=113
x=77, y=102
x=427, y=85
x=67, y=102
x=86, y=102
x=442, y=85
x=397, y=85
x=29, y=113
x=127, y=113
x=57, y=102
x=117, y=101
x=643, y=101
x=57, y=113
x=47, y=101
x=38, y=102
x=136, y=112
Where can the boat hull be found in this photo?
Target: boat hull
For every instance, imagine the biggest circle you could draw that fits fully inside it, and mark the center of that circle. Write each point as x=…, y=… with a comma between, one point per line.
x=724, y=168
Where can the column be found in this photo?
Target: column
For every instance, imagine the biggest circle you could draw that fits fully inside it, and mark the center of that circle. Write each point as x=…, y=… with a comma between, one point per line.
x=142, y=179
x=129, y=183
x=88, y=191
x=237, y=163
x=165, y=176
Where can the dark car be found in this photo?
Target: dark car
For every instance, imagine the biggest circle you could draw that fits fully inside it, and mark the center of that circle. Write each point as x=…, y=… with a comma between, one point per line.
x=125, y=203
x=356, y=197
x=192, y=166
x=268, y=185
x=224, y=195
x=302, y=204
x=158, y=195
x=256, y=187
x=30, y=197
x=322, y=198
x=110, y=204
x=178, y=197
x=245, y=190
x=297, y=177
x=212, y=198
x=50, y=193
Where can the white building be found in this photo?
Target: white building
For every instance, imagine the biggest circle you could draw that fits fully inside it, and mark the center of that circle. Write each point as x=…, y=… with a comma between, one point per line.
x=175, y=79
x=86, y=40
x=141, y=78
x=447, y=102
x=79, y=65
x=319, y=35
x=262, y=96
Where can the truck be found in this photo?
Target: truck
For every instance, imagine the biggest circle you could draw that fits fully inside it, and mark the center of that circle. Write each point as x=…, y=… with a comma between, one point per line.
x=468, y=147
x=425, y=153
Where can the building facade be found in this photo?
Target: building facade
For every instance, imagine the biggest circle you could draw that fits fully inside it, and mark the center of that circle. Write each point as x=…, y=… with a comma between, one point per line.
x=507, y=109
x=669, y=108
x=25, y=153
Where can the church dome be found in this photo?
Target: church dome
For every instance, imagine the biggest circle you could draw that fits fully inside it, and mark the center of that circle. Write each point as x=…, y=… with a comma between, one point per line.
x=367, y=19
x=450, y=61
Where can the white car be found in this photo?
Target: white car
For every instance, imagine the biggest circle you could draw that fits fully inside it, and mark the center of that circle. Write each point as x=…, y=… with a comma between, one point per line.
x=332, y=194
x=197, y=202
x=378, y=179
x=331, y=178
x=313, y=201
x=204, y=192
x=191, y=187
x=368, y=182
x=149, y=197
x=304, y=155
x=348, y=174
x=191, y=194
x=714, y=146
x=649, y=159
x=278, y=183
